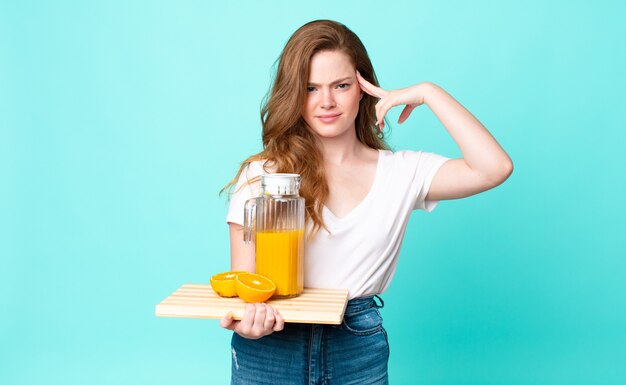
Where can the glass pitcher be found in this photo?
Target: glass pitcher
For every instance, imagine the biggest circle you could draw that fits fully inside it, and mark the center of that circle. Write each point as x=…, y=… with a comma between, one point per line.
x=278, y=216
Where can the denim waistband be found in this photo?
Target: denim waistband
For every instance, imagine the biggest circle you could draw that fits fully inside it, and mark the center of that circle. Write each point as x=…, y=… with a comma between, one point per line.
x=362, y=303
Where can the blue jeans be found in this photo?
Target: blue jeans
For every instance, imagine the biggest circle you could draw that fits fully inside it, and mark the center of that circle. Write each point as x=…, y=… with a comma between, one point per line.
x=355, y=352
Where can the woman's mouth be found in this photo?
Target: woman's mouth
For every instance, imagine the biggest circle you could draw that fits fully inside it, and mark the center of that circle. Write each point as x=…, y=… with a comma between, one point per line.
x=329, y=118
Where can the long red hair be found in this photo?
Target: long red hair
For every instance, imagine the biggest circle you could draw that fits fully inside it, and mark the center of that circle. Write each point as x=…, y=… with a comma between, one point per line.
x=288, y=145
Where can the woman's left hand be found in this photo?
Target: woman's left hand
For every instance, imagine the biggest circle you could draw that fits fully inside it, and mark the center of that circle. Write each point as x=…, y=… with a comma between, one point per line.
x=412, y=97
x=484, y=164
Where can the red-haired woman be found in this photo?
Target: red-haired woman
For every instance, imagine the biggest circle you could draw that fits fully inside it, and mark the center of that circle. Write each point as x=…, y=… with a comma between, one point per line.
x=323, y=119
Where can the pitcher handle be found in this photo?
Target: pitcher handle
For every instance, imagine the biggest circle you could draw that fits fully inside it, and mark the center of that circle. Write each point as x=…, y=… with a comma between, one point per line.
x=249, y=209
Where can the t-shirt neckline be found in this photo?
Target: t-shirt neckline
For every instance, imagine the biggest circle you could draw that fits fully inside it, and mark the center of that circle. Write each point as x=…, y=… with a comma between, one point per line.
x=329, y=217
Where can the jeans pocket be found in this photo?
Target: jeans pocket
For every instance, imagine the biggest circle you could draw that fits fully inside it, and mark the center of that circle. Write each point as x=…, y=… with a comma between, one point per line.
x=363, y=323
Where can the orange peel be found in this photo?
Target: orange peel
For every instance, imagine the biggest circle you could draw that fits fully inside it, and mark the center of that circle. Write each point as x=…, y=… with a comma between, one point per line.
x=254, y=287
x=224, y=283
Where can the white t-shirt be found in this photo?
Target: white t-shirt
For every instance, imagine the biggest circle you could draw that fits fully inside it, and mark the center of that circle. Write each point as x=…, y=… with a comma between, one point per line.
x=361, y=252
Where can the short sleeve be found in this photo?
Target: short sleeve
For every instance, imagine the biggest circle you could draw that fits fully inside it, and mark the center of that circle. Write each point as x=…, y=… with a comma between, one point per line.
x=244, y=190
x=424, y=170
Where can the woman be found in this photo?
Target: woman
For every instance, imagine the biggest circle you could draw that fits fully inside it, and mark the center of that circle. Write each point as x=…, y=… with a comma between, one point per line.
x=323, y=120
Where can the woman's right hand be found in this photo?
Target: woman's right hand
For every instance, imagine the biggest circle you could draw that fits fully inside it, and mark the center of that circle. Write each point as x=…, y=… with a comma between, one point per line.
x=259, y=320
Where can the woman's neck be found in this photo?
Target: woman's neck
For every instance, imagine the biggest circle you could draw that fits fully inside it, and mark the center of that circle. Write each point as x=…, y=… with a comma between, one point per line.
x=341, y=150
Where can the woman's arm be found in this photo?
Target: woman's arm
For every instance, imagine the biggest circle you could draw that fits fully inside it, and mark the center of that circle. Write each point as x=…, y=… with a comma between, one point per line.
x=484, y=164
x=259, y=319
x=242, y=256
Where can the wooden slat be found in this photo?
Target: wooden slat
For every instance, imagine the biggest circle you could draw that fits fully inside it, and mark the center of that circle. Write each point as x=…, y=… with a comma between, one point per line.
x=320, y=306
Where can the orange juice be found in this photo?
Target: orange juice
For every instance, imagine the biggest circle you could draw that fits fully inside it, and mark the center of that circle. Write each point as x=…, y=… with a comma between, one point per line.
x=279, y=257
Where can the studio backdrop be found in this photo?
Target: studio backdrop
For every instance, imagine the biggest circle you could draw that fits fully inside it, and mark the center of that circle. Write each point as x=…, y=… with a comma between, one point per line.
x=120, y=121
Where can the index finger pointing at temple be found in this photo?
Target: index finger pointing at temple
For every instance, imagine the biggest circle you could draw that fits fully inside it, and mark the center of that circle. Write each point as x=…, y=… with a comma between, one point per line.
x=369, y=87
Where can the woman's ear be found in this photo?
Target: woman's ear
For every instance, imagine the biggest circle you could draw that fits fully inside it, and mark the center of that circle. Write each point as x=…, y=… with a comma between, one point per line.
x=361, y=95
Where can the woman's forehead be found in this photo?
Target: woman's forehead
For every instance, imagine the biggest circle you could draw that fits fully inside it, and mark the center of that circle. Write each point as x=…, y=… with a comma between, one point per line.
x=329, y=66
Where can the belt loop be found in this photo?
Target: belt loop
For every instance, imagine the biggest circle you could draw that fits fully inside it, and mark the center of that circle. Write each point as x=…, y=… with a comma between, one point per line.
x=382, y=303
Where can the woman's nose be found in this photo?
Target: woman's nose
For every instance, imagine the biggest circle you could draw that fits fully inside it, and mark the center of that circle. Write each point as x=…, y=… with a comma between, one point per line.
x=328, y=101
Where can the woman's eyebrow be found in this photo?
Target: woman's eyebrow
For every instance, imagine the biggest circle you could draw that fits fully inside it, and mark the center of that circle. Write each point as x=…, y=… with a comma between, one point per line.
x=334, y=82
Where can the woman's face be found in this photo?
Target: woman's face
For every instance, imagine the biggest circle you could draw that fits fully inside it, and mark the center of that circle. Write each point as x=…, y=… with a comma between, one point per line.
x=333, y=95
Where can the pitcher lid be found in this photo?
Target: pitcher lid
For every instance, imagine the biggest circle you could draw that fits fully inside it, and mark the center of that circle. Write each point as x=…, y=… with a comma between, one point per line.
x=281, y=184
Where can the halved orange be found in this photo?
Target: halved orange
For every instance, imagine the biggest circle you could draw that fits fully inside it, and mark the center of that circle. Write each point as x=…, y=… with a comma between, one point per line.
x=224, y=283
x=254, y=287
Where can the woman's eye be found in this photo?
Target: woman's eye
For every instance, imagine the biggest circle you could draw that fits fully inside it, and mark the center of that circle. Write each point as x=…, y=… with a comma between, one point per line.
x=343, y=85
x=310, y=89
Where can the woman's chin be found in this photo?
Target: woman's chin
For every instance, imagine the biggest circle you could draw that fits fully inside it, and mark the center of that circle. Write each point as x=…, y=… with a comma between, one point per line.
x=329, y=132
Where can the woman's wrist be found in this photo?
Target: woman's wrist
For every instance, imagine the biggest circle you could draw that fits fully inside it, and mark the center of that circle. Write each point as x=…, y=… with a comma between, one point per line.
x=428, y=92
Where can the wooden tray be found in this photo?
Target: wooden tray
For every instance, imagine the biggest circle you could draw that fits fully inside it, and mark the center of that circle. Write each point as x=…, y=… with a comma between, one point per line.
x=319, y=306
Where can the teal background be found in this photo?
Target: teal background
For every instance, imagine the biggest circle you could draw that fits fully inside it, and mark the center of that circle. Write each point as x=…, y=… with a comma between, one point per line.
x=120, y=122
